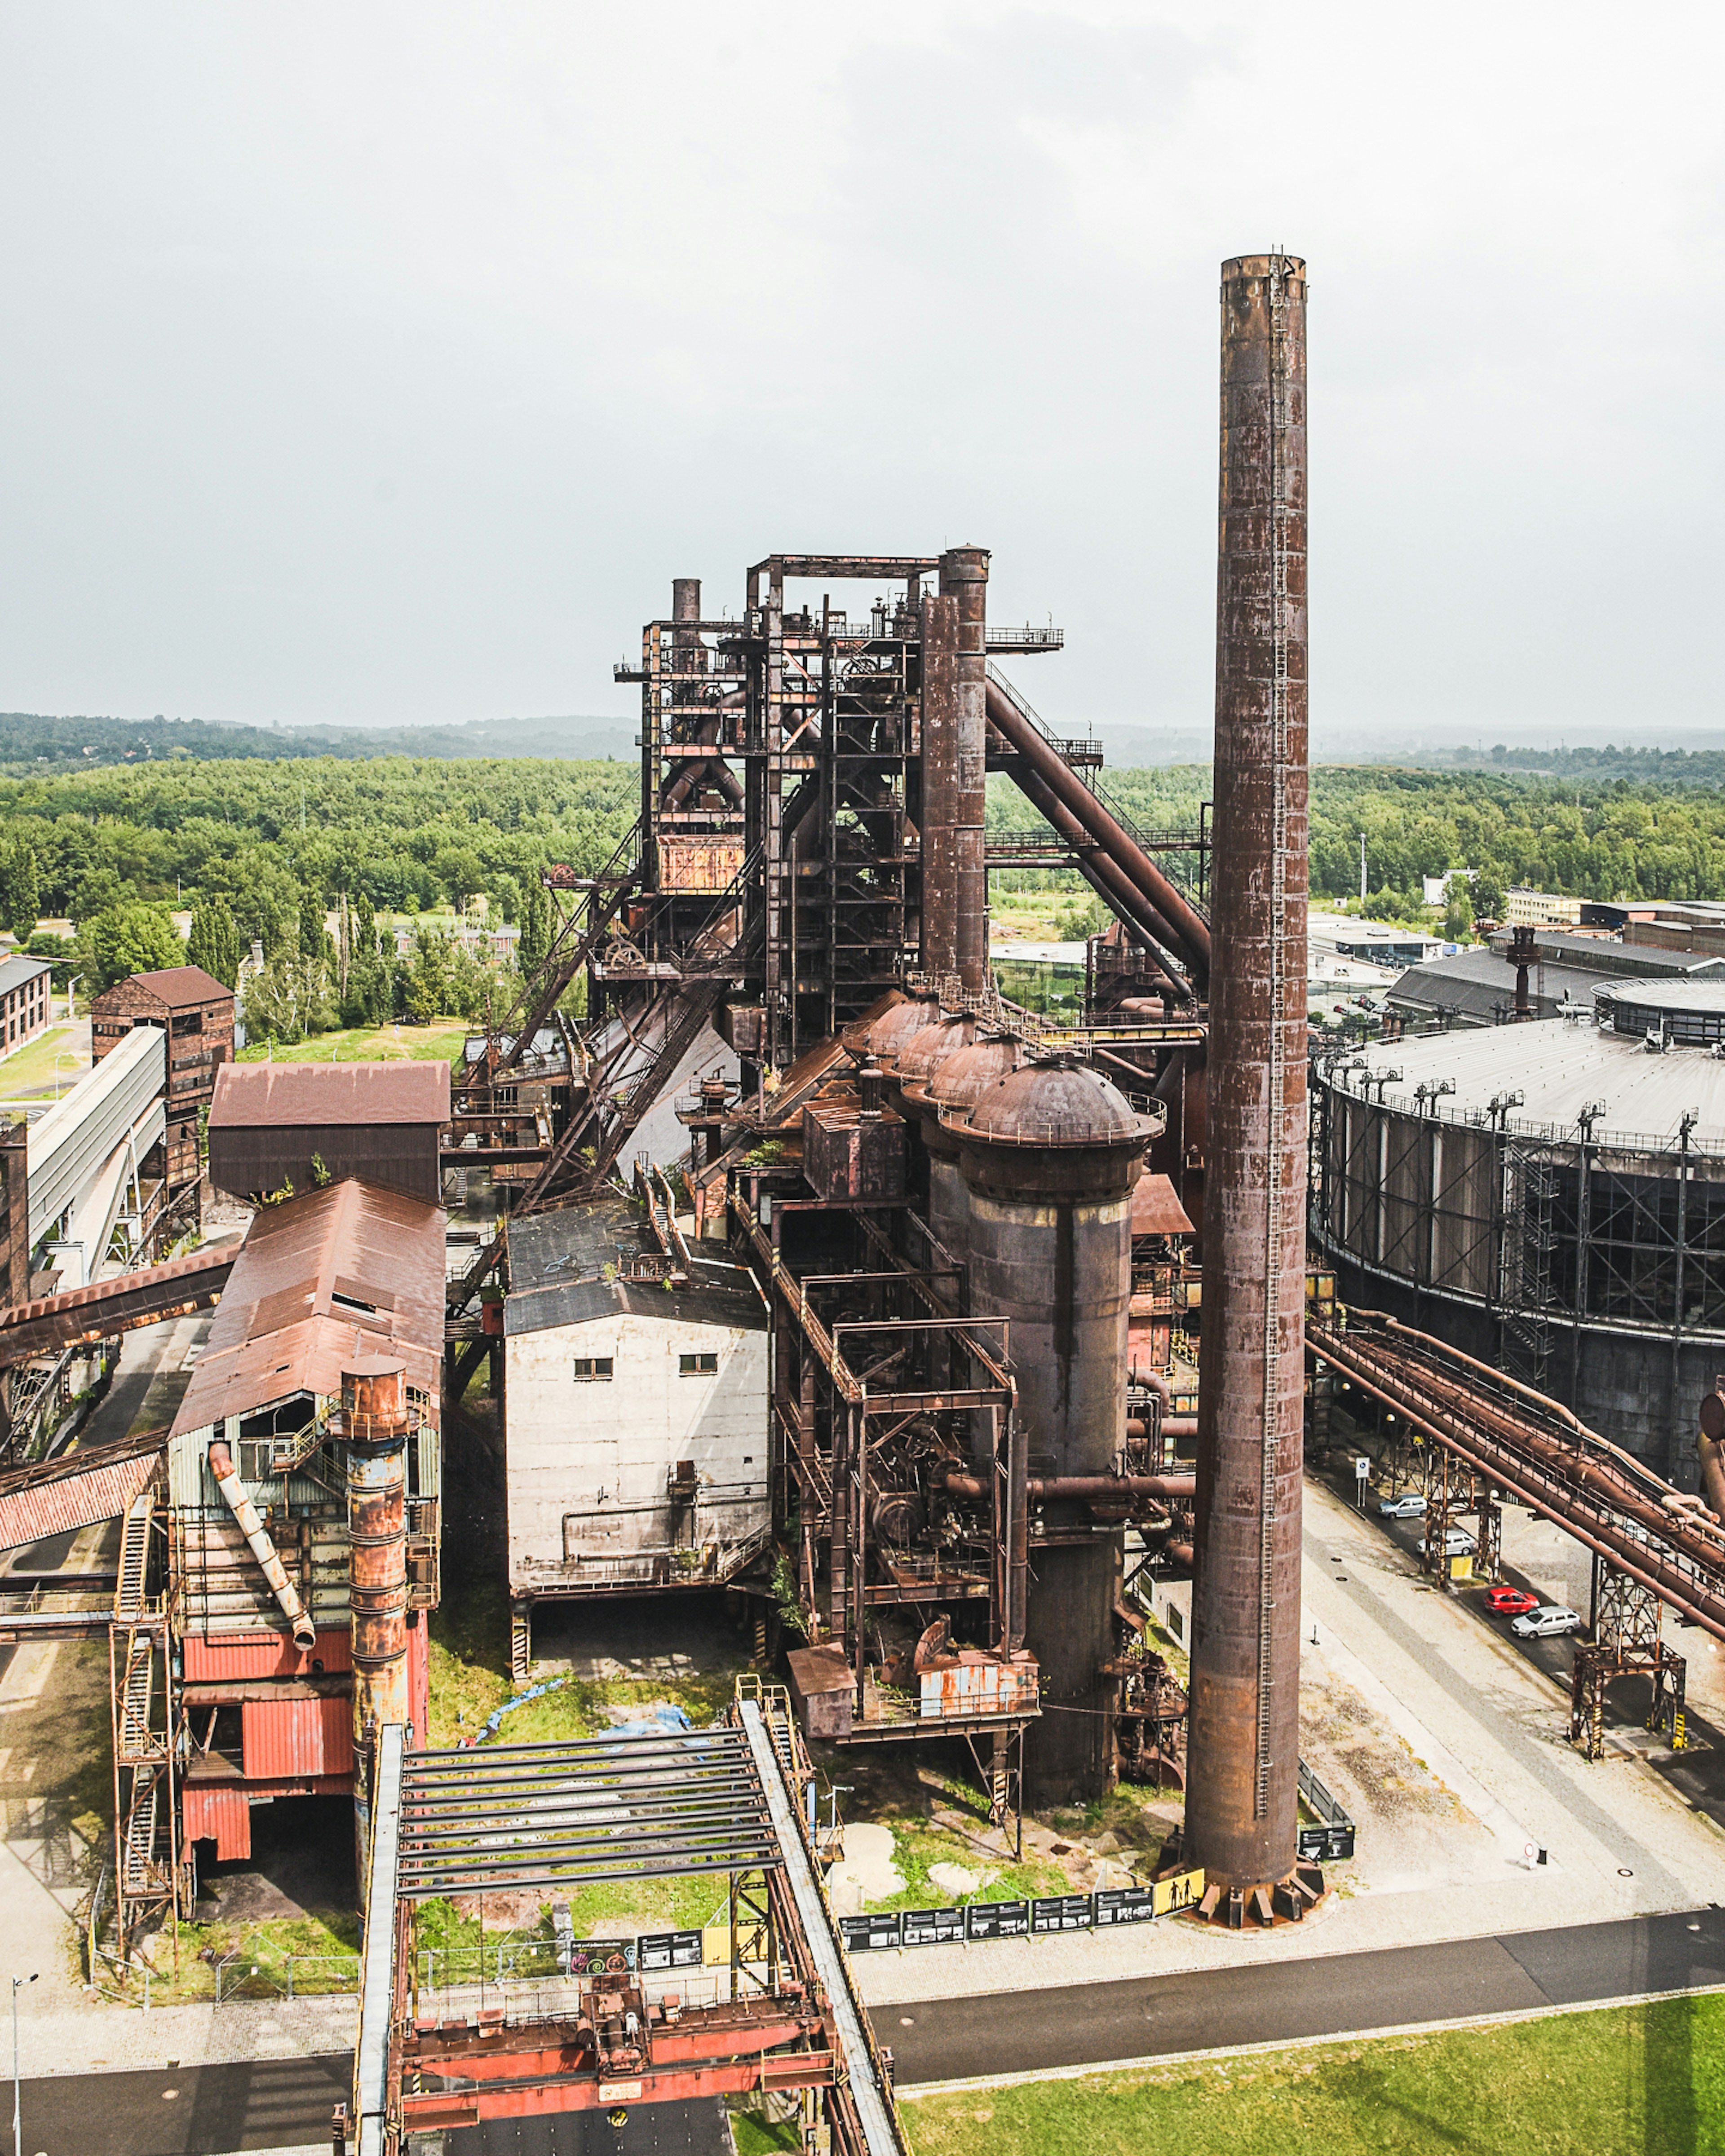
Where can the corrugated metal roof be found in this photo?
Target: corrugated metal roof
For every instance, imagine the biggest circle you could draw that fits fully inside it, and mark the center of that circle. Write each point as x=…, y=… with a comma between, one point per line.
x=250, y=1094
x=81, y=1486
x=369, y=1245
x=177, y=986
x=1156, y=1208
x=1560, y=1066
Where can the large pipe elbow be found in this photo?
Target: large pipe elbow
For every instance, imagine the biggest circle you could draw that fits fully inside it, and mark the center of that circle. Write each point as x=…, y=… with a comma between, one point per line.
x=251, y=1526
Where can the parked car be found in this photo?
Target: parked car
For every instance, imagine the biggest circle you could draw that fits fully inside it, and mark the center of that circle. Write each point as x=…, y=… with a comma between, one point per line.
x=1409, y=1505
x=1549, y=1621
x=1511, y=1602
x=1458, y=1542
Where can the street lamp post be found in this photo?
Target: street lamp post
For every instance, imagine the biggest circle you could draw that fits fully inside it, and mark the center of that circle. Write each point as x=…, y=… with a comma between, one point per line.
x=18, y=2117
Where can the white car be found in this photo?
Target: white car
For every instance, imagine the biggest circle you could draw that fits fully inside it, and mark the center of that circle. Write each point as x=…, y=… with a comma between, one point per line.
x=1458, y=1542
x=1549, y=1621
x=1409, y=1505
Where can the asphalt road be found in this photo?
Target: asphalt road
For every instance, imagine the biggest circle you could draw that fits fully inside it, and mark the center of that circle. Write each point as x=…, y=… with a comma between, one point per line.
x=280, y=2103
x=1328, y=1995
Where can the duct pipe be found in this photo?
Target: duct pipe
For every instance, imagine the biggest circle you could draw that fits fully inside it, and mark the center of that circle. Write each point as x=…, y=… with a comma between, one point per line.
x=239, y=1503
x=1171, y=1425
x=1082, y=1488
x=1105, y=877
x=1140, y=870
x=1241, y=1810
x=964, y=578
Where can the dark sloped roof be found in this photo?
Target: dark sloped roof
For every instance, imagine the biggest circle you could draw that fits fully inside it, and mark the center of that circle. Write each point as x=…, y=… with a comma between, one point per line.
x=178, y=986
x=248, y=1096
x=281, y=1329
x=1156, y=1208
x=16, y=969
x=1476, y=983
x=576, y=1302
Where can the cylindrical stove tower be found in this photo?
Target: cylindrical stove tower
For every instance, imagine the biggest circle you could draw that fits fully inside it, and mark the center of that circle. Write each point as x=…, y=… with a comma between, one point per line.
x=1049, y=1155
x=375, y=1420
x=1243, y=1751
x=964, y=578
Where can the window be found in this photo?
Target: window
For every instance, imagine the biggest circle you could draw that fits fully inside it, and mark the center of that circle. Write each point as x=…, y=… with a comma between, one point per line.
x=591, y=1368
x=696, y=1366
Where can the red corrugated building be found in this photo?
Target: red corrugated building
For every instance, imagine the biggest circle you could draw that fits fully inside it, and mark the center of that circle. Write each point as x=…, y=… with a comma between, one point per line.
x=323, y=1281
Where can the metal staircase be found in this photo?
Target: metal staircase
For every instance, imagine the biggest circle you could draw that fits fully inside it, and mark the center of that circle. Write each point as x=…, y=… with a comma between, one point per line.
x=146, y=1866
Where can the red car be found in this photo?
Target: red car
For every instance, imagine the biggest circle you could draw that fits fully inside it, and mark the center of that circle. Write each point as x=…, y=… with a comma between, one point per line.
x=1511, y=1602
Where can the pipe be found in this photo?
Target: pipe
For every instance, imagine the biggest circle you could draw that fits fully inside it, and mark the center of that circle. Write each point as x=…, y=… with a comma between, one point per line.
x=1242, y=1802
x=964, y=577
x=1181, y=1553
x=1190, y=926
x=938, y=810
x=239, y=1503
x=1086, y=1486
x=1171, y=1425
x=1110, y=882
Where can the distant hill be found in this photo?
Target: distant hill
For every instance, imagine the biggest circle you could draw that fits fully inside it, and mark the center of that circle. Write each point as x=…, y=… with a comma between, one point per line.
x=33, y=745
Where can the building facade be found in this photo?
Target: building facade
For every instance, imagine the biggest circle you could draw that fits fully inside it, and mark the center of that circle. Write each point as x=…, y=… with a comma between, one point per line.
x=26, y=1008
x=274, y=1127
x=635, y=1415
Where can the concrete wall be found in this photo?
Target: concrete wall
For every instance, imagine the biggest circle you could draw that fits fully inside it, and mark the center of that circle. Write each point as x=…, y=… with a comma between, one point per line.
x=588, y=1461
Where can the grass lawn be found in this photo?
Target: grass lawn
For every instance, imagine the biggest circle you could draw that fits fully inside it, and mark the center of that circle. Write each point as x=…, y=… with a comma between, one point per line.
x=37, y=1067
x=1649, y=2080
x=440, y=1042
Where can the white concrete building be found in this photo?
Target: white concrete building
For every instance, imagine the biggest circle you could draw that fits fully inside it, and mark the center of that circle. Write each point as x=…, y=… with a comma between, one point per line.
x=635, y=1412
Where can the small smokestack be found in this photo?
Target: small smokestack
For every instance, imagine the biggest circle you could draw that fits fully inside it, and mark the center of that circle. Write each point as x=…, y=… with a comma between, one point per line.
x=1241, y=1802
x=685, y=598
x=376, y=1421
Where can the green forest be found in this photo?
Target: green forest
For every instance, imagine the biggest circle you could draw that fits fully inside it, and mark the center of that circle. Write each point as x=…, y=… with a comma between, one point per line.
x=262, y=849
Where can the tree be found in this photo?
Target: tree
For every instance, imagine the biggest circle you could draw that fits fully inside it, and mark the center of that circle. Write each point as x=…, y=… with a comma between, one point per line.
x=214, y=943
x=314, y=937
x=1458, y=912
x=427, y=992
x=1488, y=896
x=535, y=927
x=130, y=939
x=288, y=998
x=20, y=887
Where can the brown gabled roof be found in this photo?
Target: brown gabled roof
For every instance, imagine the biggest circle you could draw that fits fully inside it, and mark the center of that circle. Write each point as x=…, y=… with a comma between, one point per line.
x=1157, y=1210
x=340, y=1274
x=251, y=1095
x=179, y=987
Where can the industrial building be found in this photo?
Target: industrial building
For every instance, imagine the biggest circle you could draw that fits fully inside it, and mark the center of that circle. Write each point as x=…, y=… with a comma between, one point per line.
x=25, y=1004
x=636, y=1392
x=196, y=1013
x=1550, y=1195
x=278, y=1128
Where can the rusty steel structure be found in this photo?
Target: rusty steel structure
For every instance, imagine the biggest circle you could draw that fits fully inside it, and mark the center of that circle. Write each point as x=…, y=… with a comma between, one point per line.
x=1242, y=1806
x=582, y=2029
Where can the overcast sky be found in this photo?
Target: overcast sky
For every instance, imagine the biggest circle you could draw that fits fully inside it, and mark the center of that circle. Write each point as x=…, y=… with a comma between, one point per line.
x=380, y=363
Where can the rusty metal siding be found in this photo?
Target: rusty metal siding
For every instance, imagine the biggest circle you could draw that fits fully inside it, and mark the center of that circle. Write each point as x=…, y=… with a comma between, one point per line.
x=263, y=1655
x=264, y=1158
x=219, y=1814
x=285, y=1739
x=53, y=1507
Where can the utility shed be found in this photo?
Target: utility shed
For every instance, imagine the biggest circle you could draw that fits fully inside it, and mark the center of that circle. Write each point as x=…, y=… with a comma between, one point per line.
x=323, y=1282
x=196, y=1013
x=273, y=1124
x=635, y=1415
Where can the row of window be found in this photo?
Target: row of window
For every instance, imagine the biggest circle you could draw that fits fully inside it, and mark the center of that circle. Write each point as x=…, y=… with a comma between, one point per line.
x=590, y=1369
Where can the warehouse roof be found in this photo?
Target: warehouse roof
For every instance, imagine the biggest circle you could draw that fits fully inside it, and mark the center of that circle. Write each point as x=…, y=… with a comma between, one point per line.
x=351, y=1270
x=16, y=970
x=178, y=986
x=1560, y=1066
x=250, y=1094
x=1477, y=985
